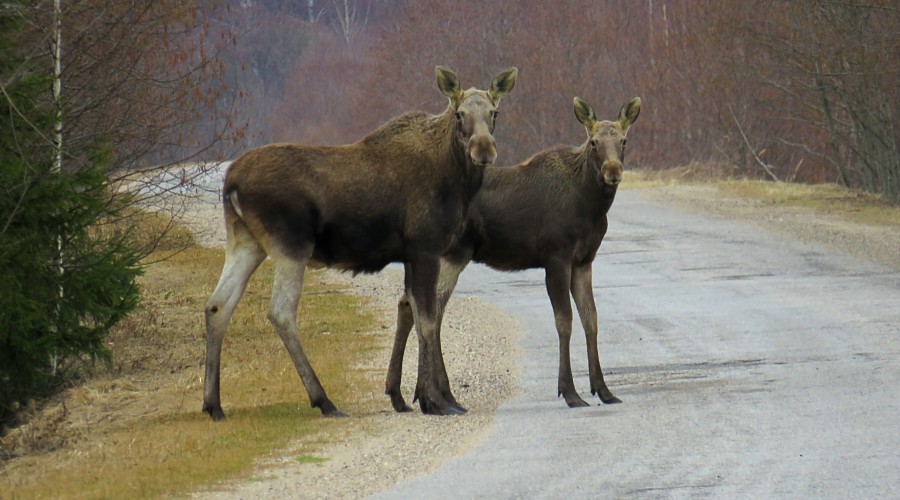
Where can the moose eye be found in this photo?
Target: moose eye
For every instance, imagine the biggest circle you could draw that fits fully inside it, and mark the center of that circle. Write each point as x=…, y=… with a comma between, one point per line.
x=595, y=144
x=624, y=141
x=458, y=116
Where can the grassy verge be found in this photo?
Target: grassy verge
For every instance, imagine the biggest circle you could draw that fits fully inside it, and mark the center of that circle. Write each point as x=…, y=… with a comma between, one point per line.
x=134, y=429
x=853, y=205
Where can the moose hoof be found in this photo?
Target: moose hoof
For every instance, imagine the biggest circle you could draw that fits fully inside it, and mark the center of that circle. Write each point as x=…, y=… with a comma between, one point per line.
x=399, y=403
x=574, y=400
x=449, y=410
x=403, y=408
x=460, y=408
x=606, y=396
x=441, y=409
x=329, y=410
x=215, y=412
x=451, y=401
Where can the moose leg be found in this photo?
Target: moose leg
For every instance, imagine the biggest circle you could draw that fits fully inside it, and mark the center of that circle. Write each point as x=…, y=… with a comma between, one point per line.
x=395, y=367
x=448, y=276
x=422, y=279
x=243, y=257
x=283, y=315
x=558, y=281
x=583, y=292
x=447, y=279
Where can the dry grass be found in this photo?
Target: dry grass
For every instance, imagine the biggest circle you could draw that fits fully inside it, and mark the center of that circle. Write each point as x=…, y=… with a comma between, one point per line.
x=135, y=428
x=857, y=206
x=691, y=173
x=853, y=205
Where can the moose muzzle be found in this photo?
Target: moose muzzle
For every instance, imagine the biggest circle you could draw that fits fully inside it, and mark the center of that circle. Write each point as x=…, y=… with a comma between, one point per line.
x=612, y=172
x=482, y=150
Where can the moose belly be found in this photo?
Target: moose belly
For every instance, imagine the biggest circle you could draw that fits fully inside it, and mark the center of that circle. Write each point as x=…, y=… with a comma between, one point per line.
x=363, y=245
x=503, y=256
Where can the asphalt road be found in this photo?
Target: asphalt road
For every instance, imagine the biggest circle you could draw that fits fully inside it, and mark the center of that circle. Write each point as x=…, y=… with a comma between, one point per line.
x=750, y=365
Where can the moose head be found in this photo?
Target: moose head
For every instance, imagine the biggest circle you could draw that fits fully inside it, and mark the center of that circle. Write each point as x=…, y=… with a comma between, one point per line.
x=475, y=112
x=606, y=139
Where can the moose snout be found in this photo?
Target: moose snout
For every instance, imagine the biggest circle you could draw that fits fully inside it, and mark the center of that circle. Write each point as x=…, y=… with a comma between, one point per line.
x=482, y=150
x=612, y=173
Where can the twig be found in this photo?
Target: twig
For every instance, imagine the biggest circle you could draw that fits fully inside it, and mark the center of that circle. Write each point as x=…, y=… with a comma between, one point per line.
x=756, y=157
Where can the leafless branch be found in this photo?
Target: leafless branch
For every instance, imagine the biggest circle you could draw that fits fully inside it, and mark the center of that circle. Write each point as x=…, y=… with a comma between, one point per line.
x=752, y=150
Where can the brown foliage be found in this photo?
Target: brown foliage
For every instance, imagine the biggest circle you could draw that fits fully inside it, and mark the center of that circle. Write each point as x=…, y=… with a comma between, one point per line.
x=791, y=90
x=142, y=79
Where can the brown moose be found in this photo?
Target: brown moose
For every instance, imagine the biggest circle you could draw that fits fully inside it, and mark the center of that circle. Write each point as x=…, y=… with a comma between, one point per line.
x=549, y=212
x=398, y=195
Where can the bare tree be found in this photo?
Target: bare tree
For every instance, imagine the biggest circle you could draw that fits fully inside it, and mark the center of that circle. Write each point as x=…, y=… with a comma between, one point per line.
x=351, y=19
x=137, y=88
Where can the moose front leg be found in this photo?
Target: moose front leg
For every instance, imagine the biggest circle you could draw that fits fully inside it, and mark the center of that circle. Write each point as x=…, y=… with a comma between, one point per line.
x=446, y=283
x=583, y=293
x=448, y=277
x=558, y=280
x=422, y=279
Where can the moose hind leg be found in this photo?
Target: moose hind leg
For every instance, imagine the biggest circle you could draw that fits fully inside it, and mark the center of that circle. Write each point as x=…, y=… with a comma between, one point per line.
x=583, y=293
x=283, y=316
x=243, y=257
x=395, y=367
x=558, y=281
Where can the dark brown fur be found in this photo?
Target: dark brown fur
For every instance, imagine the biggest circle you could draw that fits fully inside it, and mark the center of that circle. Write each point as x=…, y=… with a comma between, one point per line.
x=549, y=212
x=398, y=195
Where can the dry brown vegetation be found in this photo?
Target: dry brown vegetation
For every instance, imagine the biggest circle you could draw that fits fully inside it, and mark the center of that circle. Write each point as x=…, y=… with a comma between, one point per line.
x=851, y=204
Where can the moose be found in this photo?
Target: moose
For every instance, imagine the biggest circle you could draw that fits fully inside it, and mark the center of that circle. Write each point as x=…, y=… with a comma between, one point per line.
x=400, y=194
x=549, y=212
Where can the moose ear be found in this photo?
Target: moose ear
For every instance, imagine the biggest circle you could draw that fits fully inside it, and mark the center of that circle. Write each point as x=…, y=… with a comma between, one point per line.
x=629, y=113
x=503, y=84
x=585, y=114
x=448, y=82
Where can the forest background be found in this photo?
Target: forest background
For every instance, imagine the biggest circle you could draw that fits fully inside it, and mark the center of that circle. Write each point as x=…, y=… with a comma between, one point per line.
x=785, y=90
